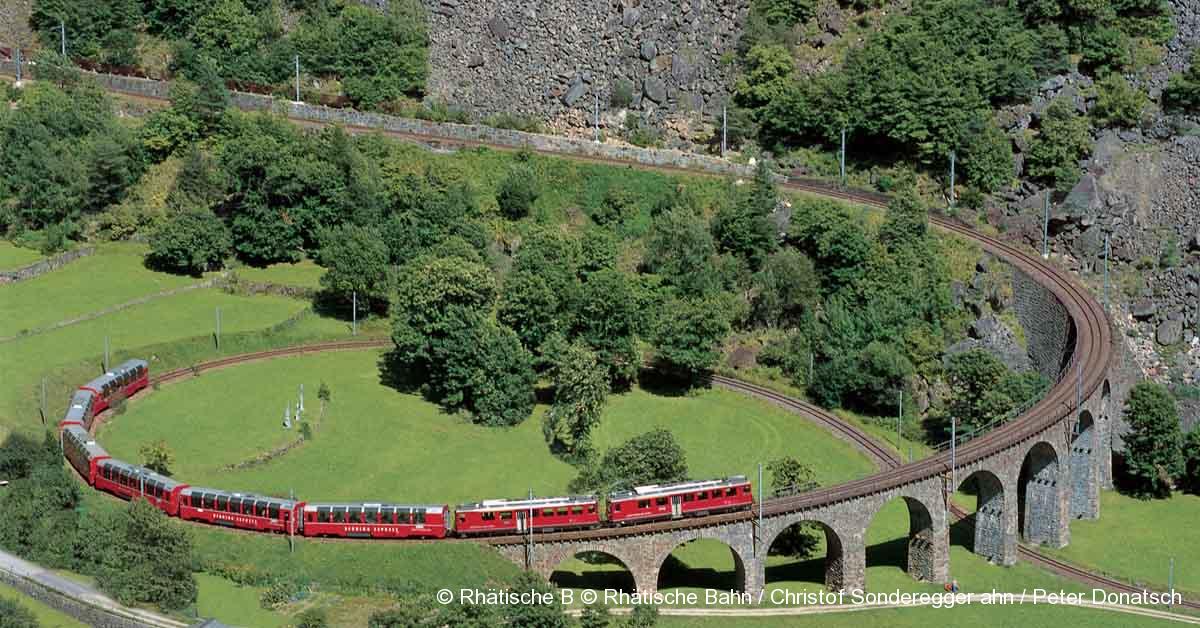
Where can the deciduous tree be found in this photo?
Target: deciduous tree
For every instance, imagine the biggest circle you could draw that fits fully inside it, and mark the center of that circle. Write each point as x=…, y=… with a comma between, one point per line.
x=1153, y=454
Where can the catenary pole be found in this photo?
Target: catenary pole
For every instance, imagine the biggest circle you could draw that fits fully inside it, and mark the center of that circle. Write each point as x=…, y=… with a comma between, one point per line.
x=529, y=525
x=597, y=117
x=297, y=78
x=1046, y=226
x=900, y=421
x=762, y=497
x=17, y=57
x=106, y=353
x=1107, y=250
x=953, y=454
x=952, y=178
x=354, y=314
x=842, y=158
x=218, y=336
x=1171, y=582
x=43, y=406
x=62, y=37
x=724, y=129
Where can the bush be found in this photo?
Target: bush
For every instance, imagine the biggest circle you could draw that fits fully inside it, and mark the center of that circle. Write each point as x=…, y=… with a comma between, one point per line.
x=1182, y=94
x=1062, y=141
x=312, y=618
x=619, y=206
x=1153, y=445
x=517, y=193
x=1118, y=103
x=14, y=615
x=622, y=95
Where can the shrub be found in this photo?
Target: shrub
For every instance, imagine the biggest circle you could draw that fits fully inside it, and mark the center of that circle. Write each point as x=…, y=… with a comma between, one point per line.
x=622, y=95
x=1118, y=103
x=517, y=193
x=192, y=243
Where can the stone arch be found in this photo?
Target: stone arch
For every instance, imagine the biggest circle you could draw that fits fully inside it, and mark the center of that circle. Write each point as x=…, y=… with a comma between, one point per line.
x=702, y=578
x=624, y=579
x=1041, y=496
x=988, y=524
x=1082, y=464
x=926, y=551
x=835, y=559
x=1104, y=437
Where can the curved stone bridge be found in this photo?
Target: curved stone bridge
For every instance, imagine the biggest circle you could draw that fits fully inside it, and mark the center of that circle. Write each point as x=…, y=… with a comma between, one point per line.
x=1032, y=476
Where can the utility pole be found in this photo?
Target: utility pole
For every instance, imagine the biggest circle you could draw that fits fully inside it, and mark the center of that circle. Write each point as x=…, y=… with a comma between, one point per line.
x=43, y=406
x=529, y=526
x=354, y=314
x=297, y=78
x=1171, y=582
x=17, y=57
x=1078, y=384
x=724, y=129
x=811, y=359
x=62, y=37
x=842, y=157
x=106, y=353
x=762, y=496
x=953, y=454
x=1107, y=249
x=597, y=118
x=952, y=178
x=900, y=422
x=218, y=334
x=292, y=524
x=1046, y=227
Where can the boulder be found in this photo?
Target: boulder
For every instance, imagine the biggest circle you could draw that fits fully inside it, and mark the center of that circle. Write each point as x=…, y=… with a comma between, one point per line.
x=630, y=16
x=660, y=63
x=682, y=70
x=498, y=27
x=649, y=49
x=475, y=61
x=992, y=335
x=1144, y=309
x=1169, y=333
x=655, y=90
x=573, y=93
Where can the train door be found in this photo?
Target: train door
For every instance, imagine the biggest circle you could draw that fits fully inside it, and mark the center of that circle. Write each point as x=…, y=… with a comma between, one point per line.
x=522, y=521
x=676, y=506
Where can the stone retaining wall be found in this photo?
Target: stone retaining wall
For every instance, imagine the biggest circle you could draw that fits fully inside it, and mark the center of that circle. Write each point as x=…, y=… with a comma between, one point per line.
x=44, y=266
x=89, y=614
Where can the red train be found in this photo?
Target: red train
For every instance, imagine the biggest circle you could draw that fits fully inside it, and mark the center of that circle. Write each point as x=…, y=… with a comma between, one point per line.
x=683, y=499
x=376, y=521
x=498, y=516
x=368, y=520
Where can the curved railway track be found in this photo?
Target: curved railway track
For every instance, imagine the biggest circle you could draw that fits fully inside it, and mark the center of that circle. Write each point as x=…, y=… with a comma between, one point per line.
x=1090, y=356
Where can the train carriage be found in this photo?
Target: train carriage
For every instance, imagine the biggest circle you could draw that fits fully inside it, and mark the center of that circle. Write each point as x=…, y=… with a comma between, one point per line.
x=84, y=454
x=80, y=412
x=122, y=381
x=131, y=481
x=240, y=510
x=376, y=521
x=673, y=501
x=497, y=516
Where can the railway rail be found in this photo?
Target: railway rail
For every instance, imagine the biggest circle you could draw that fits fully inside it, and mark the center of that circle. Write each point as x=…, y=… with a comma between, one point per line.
x=1090, y=356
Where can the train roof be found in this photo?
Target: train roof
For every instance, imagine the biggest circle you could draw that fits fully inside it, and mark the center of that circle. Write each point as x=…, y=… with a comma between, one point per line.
x=651, y=490
x=511, y=504
x=150, y=476
x=429, y=508
x=216, y=491
x=127, y=365
x=81, y=403
x=86, y=442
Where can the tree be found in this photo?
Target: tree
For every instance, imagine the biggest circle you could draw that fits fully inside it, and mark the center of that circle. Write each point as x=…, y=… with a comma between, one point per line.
x=312, y=618
x=642, y=616
x=787, y=286
x=14, y=615
x=987, y=156
x=1118, y=103
x=428, y=289
x=580, y=391
x=906, y=224
x=532, y=615
x=648, y=458
x=1191, y=456
x=619, y=206
x=789, y=476
x=744, y=227
x=517, y=193
x=1183, y=90
x=157, y=456
x=356, y=261
x=1153, y=445
x=767, y=75
x=604, y=318
x=1063, y=140
x=680, y=247
x=139, y=556
x=689, y=335
x=531, y=308
x=974, y=378
x=191, y=242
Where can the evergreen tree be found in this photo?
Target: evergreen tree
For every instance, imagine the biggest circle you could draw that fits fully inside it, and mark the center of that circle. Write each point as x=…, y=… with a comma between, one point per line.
x=1153, y=454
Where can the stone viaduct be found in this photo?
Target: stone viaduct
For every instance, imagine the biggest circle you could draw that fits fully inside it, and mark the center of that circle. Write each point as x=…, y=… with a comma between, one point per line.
x=1031, y=476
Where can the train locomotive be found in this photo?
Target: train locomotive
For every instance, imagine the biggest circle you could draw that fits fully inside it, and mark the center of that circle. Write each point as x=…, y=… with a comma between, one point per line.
x=366, y=520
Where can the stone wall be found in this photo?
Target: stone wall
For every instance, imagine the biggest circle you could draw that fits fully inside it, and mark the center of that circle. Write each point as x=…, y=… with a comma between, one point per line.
x=73, y=604
x=1048, y=330
x=552, y=58
x=44, y=266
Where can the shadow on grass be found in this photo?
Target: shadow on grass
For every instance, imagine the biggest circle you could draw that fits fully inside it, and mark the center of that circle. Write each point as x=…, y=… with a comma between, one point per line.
x=621, y=580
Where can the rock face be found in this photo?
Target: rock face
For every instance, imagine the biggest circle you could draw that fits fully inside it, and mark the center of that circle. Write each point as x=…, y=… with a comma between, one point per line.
x=524, y=56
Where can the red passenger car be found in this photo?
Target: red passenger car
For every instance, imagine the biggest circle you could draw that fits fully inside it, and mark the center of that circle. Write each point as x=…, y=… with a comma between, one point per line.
x=124, y=380
x=129, y=482
x=376, y=521
x=84, y=454
x=79, y=413
x=497, y=516
x=672, y=501
x=238, y=510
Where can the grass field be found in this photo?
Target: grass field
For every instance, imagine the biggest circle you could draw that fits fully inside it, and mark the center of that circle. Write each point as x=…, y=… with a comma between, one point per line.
x=387, y=445
x=304, y=273
x=13, y=257
x=113, y=275
x=46, y=617
x=1151, y=532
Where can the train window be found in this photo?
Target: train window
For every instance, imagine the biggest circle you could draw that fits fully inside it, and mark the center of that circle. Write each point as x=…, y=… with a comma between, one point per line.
x=591, y=508
x=403, y=515
x=420, y=517
x=577, y=510
x=338, y=516
x=661, y=501
x=274, y=511
x=372, y=515
x=562, y=512
x=688, y=497
x=222, y=503
x=209, y=500
x=506, y=515
x=617, y=507
x=323, y=515
x=488, y=516
x=731, y=492
x=387, y=515
x=643, y=503
x=260, y=508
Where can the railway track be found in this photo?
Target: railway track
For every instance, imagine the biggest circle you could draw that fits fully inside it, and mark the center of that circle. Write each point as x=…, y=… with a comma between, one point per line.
x=1091, y=354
